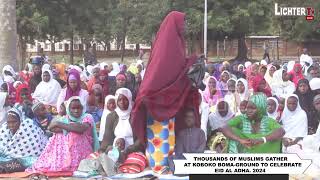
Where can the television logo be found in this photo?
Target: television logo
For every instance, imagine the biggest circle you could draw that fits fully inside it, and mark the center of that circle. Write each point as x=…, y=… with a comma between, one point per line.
x=308, y=12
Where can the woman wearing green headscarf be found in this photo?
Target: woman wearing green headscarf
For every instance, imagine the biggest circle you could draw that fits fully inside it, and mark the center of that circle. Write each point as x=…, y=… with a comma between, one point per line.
x=254, y=132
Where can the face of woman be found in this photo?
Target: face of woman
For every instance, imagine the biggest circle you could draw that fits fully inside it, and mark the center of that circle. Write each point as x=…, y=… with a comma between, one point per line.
x=263, y=71
x=241, y=68
x=121, y=82
x=36, y=70
x=139, y=68
x=297, y=69
x=225, y=77
x=46, y=77
x=13, y=123
x=138, y=78
x=95, y=72
x=292, y=103
x=41, y=111
x=285, y=76
x=271, y=106
x=240, y=87
x=73, y=84
x=111, y=105
x=232, y=86
x=316, y=104
x=76, y=108
x=255, y=69
x=123, y=102
x=252, y=111
x=223, y=109
x=97, y=95
x=271, y=71
x=212, y=84
x=303, y=88
x=262, y=85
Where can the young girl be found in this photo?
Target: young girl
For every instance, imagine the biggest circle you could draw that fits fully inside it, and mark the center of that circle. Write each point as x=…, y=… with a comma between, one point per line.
x=211, y=94
x=232, y=97
x=242, y=108
x=295, y=124
x=223, y=85
x=109, y=106
x=272, y=108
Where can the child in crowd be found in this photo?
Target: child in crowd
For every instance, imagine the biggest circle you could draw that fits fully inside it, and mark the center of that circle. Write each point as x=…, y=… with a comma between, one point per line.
x=232, y=97
x=243, y=107
x=189, y=140
x=42, y=117
x=272, y=108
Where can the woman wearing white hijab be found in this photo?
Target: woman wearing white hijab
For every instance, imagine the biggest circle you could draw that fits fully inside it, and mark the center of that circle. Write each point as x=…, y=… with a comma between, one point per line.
x=269, y=74
x=106, y=111
x=115, y=69
x=118, y=122
x=242, y=89
x=48, y=89
x=7, y=78
x=272, y=107
x=295, y=123
x=221, y=116
x=290, y=65
x=281, y=85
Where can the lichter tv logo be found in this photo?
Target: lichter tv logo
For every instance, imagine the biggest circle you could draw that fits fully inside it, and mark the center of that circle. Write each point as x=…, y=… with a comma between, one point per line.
x=308, y=12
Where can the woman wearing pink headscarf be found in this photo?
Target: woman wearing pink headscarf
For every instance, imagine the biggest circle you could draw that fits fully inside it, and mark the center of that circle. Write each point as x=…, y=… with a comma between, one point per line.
x=212, y=94
x=296, y=74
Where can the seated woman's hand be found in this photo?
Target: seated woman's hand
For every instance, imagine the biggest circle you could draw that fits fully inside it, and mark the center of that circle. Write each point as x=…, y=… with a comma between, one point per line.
x=286, y=142
x=245, y=142
x=56, y=130
x=53, y=124
x=256, y=141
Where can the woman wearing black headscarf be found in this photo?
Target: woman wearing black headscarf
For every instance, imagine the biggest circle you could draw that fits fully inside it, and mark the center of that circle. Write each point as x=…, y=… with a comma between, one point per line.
x=305, y=99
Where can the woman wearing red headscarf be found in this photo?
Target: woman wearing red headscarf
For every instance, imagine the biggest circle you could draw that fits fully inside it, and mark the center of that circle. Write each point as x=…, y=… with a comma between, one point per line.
x=296, y=74
x=100, y=78
x=164, y=93
x=24, y=99
x=260, y=85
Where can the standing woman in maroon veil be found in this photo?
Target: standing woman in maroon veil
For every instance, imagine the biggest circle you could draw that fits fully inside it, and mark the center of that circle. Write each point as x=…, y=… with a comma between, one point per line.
x=164, y=93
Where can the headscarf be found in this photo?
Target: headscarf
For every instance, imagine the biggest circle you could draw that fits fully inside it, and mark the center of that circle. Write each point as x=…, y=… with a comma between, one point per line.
x=295, y=123
x=133, y=69
x=260, y=101
x=278, y=79
x=246, y=94
x=69, y=92
x=211, y=99
x=315, y=84
x=123, y=67
x=290, y=65
x=274, y=115
x=7, y=78
x=247, y=64
x=255, y=85
x=115, y=70
x=249, y=75
x=48, y=92
x=166, y=88
x=46, y=67
x=105, y=113
x=263, y=62
x=124, y=115
x=18, y=94
x=71, y=118
x=217, y=121
x=267, y=76
x=124, y=128
x=296, y=76
x=35, y=80
x=26, y=142
x=102, y=65
x=61, y=68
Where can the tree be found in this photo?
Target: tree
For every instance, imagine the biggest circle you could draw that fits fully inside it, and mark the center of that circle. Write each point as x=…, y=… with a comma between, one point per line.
x=237, y=19
x=8, y=33
x=31, y=25
x=296, y=27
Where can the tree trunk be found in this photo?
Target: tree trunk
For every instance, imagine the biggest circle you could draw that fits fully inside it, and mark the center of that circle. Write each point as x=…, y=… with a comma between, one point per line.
x=53, y=47
x=108, y=46
x=242, y=49
x=8, y=34
x=71, y=48
x=137, y=49
x=123, y=44
x=22, y=52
